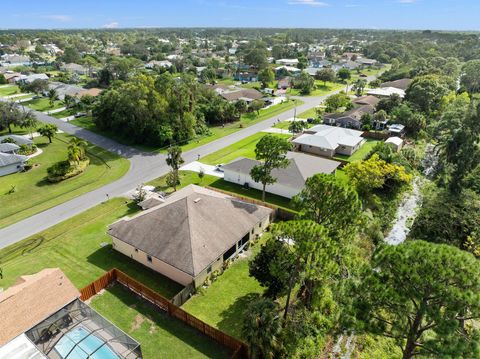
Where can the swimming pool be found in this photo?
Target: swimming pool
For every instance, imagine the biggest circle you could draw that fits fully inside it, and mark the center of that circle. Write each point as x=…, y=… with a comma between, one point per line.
x=83, y=344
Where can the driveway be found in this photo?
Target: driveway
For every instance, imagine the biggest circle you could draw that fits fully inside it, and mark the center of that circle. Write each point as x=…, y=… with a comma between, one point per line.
x=196, y=166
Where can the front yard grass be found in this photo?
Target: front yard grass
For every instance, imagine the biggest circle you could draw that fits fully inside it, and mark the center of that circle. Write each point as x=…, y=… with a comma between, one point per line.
x=223, y=303
x=9, y=90
x=42, y=104
x=160, y=335
x=361, y=153
x=81, y=248
x=243, y=148
x=320, y=89
x=33, y=193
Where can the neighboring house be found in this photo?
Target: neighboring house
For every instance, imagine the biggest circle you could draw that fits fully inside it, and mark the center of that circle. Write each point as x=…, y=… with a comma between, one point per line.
x=290, y=180
x=291, y=69
x=284, y=84
x=248, y=95
x=43, y=317
x=246, y=76
x=94, y=92
x=395, y=142
x=10, y=60
x=287, y=62
x=386, y=92
x=367, y=100
x=327, y=141
x=154, y=63
x=190, y=235
x=11, y=163
x=65, y=89
x=401, y=84
x=28, y=79
x=19, y=140
x=74, y=68
x=366, y=62
x=12, y=77
x=349, y=119
x=9, y=147
x=396, y=129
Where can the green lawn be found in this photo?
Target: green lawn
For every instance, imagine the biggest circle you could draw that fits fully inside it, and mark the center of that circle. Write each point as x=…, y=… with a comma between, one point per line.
x=361, y=153
x=9, y=90
x=216, y=132
x=75, y=246
x=223, y=303
x=43, y=104
x=159, y=335
x=311, y=113
x=33, y=193
x=243, y=148
x=320, y=90
x=64, y=113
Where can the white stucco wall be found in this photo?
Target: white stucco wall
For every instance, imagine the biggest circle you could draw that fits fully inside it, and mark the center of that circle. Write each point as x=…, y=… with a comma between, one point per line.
x=156, y=264
x=276, y=188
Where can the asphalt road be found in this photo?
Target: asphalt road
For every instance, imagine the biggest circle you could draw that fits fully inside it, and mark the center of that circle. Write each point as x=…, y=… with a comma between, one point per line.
x=144, y=167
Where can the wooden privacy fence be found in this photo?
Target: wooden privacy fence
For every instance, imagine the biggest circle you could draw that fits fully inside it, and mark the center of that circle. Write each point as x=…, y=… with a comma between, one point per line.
x=240, y=349
x=375, y=135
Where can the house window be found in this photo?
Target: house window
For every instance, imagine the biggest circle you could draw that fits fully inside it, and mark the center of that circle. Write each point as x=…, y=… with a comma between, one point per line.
x=260, y=225
x=149, y=258
x=209, y=270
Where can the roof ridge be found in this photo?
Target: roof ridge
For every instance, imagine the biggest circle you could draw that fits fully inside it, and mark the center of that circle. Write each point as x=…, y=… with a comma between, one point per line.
x=190, y=232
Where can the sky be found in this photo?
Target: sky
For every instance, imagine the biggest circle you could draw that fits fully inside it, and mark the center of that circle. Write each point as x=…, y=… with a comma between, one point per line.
x=371, y=14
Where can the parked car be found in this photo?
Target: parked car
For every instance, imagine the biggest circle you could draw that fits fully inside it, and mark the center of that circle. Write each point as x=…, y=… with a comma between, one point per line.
x=80, y=114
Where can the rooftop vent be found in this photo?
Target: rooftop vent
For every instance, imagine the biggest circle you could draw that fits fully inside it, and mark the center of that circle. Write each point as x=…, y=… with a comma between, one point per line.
x=196, y=200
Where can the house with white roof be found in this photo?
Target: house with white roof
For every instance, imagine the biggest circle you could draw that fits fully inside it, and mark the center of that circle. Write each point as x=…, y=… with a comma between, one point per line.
x=327, y=141
x=287, y=62
x=386, y=92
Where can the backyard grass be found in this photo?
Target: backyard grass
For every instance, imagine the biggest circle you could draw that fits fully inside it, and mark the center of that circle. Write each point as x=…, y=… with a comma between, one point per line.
x=216, y=132
x=223, y=303
x=42, y=104
x=159, y=335
x=361, y=153
x=75, y=246
x=243, y=148
x=33, y=193
x=9, y=90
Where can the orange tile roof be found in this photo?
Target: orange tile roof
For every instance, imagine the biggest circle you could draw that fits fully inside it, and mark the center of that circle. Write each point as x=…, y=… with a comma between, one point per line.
x=32, y=299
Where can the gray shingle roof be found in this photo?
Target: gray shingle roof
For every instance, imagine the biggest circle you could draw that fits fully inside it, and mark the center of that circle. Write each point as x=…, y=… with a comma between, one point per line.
x=300, y=168
x=191, y=229
x=8, y=147
x=9, y=159
x=19, y=140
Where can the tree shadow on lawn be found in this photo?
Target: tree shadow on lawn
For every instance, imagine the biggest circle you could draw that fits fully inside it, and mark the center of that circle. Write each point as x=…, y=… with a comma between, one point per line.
x=107, y=258
x=190, y=336
x=232, y=317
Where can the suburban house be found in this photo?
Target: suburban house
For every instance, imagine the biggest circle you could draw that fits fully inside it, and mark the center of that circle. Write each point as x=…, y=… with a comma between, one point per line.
x=348, y=119
x=17, y=139
x=248, y=95
x=286, y=69
x=11, y=163
x=12, y=77
x=396, y=129
x=386, y=92
x=366, y=100
x=327, y=141
x=43, y=317
x=287, y=62
x=8, y=147
x=401, y=84
x=191, y=234
x=155, y=63
x=74, y=68
x=65, y=89
x=395, y=142
x=28, y=79
x=284, y=83
x=290, y=180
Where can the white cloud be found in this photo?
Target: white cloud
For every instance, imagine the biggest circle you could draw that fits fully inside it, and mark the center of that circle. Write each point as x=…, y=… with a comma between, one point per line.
x=111, y=25
x=314, y=3
x=61, y=18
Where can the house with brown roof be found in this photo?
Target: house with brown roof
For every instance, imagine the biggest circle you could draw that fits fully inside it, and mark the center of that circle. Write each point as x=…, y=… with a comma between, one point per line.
x=191, y=234
x=41, y=316
x=401, y=84
x=248, y=95
x=367, y=100
x=290, y=180
x=349, y=119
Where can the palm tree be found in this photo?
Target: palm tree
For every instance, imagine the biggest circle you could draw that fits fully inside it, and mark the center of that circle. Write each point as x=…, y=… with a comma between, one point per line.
x=52, y=96
x=76, y=149
x=29, y=120
x=261, y=328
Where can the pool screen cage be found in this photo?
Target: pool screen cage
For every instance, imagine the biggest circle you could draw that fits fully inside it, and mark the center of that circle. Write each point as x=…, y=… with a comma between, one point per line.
x=76, y=314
